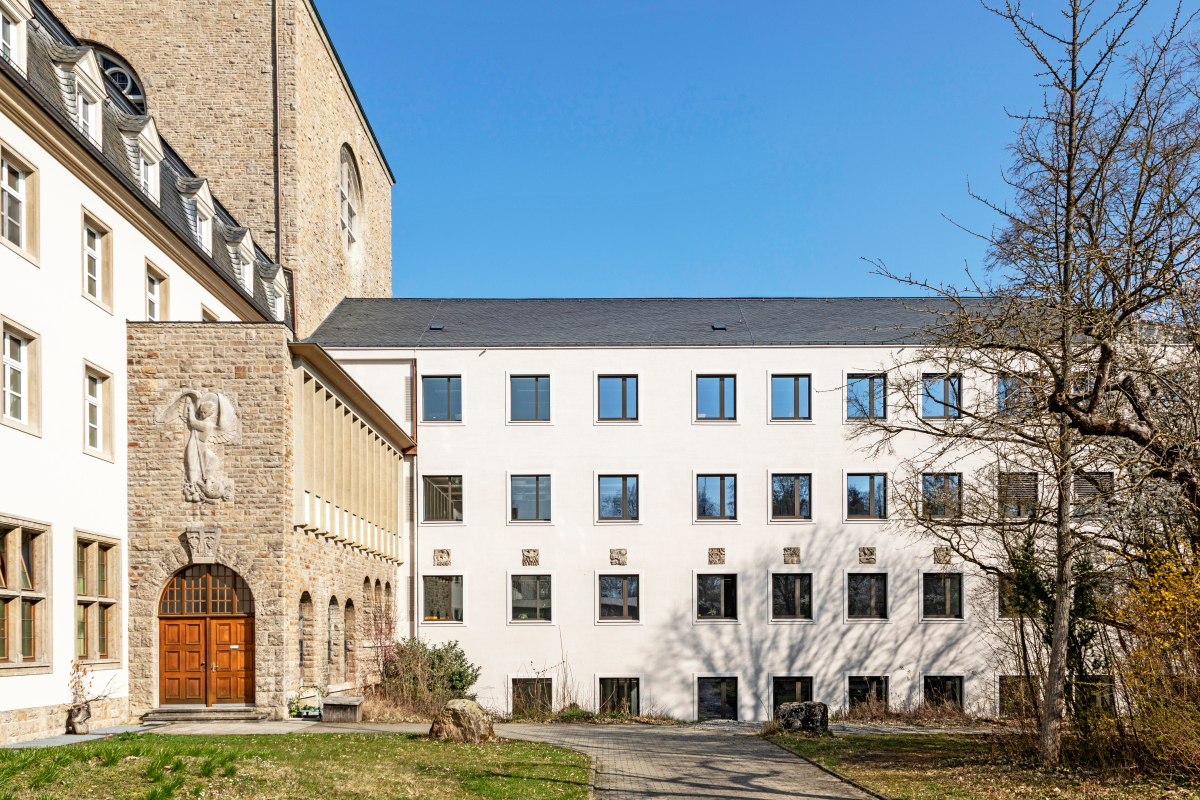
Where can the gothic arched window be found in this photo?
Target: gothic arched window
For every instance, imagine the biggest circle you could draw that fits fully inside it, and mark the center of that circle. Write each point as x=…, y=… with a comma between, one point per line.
x=349, y=201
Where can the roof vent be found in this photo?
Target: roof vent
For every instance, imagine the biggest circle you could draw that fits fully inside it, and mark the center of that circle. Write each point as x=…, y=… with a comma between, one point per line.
x=718, y=326
x=436, y=326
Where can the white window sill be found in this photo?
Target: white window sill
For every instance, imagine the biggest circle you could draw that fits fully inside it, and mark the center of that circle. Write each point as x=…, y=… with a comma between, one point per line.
x=443, y=623
x=532, y=623
x=704, y=521
x=633, y=623
x=865, y=521
x=717, y=422
x=537, y=523
x=441, y=422
x=529, y=422
x=774, y=421
x=617, y=422
x=791, y=621
x=796, y=521
x=443, y=523
x=603, y=522
x=853, y=621
x=699, y=621
x=937, y=621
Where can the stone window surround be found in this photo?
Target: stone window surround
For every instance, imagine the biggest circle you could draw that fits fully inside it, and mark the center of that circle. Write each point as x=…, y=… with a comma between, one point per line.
x=449, y=572
x=597, y=621
x=790, y=569
x=522, y=623
x=811, y=519
x=940, y=569
x=105, y=254
x=19, y=13
x=43, y=593
x=30, y=250
x=111, y=600
x=107, y=417
x=867, y=569
x=614, y=473
x=714, y=570
x=420, y=498
x=33, y=378
x=164, y=292
x=771, y=676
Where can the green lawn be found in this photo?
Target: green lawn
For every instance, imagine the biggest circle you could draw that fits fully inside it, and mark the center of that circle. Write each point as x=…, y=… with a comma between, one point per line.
x=969, y=767
x=324, y=766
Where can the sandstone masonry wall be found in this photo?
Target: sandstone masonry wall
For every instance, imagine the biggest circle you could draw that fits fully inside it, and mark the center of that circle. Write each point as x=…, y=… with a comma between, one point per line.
x=27, y=724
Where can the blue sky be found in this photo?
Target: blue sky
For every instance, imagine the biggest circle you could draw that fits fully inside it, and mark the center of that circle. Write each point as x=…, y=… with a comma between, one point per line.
x=613, y=149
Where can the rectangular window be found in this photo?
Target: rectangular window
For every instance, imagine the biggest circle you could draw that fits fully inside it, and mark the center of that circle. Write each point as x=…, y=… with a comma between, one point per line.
x=620, y=696
x=530, y=598
x=943, y=690
x=148, y=182
x=531, y=697
x=203, y=232
x=791, y=497
x=941, y=595
x=941, y=494
x=530, y=399
x=1094, y=693
x=791, y=596
x=28, y=581
x=28, y=629
x=619, y=497
x=716, y=597
x=618, y=397
x=716, y=496
x=6, y=37
x=441, y=398
x=1014, y=395
x=102, y=616
x=102, y=571
x=618, y=598
x=1018, y=494
x=866, y=496
x=443, y=498
x=716, y=397
x=16, y=370
x=790, y=690
x=1016, y=699
x=531, y=497
x=87, y=116
x=443, y=598
x=717, y=698
x=940, y=396
x=3, y=559
x=92, y=263
x=94, y=410
x=3, y=630
x=81, y=631
x=866, y=396
x=80, y=568
x=152, y=284
x=12, y=203
x=866, y=595
x=868, y=689
x=1006, y=603
x=1092, y=491
x=790, y=397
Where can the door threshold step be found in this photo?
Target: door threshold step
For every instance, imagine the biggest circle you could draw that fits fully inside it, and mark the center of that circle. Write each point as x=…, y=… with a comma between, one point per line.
x=203, y=714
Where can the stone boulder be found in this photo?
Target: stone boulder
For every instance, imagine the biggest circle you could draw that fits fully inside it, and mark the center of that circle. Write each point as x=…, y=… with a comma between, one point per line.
x=804, y=718
x=462, y=721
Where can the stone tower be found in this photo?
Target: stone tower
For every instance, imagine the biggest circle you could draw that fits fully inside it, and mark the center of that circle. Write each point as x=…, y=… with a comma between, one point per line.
x=253, y=96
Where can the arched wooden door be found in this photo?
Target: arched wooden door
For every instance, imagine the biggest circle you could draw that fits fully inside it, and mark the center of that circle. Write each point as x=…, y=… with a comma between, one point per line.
x=206, y=638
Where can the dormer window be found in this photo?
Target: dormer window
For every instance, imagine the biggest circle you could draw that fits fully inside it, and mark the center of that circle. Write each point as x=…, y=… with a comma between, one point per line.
x=198, y=203
x=277, y=289
x=144, y=149
x=149, y=177
x=7, y=32
x=204, y=232
x=241, y=256
x=87, y=117
x=123, y=77
x=77, y=67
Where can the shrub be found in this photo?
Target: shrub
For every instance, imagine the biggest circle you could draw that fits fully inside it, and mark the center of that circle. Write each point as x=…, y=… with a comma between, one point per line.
x=417, y=678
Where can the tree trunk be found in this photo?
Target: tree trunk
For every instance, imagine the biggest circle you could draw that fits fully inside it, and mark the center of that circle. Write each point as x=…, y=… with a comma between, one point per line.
x=1050, y=746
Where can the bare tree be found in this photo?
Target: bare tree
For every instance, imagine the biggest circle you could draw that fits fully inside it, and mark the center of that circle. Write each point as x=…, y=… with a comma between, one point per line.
x=1078, y=347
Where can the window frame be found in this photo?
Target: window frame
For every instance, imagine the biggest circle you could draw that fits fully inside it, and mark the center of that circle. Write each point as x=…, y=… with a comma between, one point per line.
x=722, y=420
x=943, y=569
x=849, y=520
x=1001, y=500
x=41, y=595
x=771, y=518
x=421, y=400
x=721, y=520
x=16, y=44
x=104, y=260
x=848, y=376
x=846, y=676
x=508, y=478
x=946, y=378
x=771, y=418
x=867, y=569
x=528, y=571
x=696, y=676
x=96, y=604
x=640, y=677
x=621, y=572
x=442, y=572
x=511, y=676
x=32, y=377
x=923, y=674
x=738, y=584
x=926, y=512
x=462, y=499
x=508, y=377
x=791, y=569
x=623, y=420
x=623, y=520
x=107, y=418
x=28, y=194
x=164, y=293
x=771, y=676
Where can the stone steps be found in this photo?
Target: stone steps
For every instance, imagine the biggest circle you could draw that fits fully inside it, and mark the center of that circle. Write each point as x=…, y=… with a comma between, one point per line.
x=203, y=714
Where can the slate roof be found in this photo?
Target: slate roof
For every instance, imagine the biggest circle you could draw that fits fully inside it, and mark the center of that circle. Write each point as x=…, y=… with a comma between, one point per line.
x=762, y=321
x=47, y=40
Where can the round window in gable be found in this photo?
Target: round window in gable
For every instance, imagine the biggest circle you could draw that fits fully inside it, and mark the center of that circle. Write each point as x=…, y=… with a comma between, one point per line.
x=122, y=76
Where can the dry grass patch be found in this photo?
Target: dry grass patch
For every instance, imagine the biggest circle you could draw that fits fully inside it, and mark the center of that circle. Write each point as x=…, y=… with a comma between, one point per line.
x=324, y=766
x=969, y=767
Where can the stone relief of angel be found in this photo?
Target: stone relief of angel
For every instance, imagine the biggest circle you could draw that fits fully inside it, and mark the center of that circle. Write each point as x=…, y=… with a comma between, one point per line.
x=211, y=419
